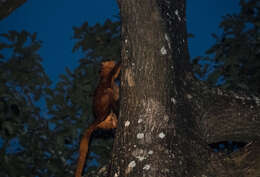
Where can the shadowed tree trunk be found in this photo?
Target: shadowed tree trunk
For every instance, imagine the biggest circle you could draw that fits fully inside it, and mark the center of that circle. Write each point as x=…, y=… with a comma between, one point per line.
x=168, y=118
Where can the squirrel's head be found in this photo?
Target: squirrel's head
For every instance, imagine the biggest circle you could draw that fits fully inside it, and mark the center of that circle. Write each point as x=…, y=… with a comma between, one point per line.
x=106, y=68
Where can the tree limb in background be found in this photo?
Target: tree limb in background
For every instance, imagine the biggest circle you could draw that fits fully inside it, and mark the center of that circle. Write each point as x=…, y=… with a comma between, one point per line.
x=8, y=6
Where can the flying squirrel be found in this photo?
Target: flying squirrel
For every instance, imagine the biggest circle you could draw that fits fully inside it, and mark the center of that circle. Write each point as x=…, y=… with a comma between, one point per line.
x=105, y=107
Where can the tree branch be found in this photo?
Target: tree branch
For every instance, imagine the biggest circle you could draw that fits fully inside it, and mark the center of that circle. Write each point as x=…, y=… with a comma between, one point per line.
x=230, y=116
x=246, y=161
x=8, y=6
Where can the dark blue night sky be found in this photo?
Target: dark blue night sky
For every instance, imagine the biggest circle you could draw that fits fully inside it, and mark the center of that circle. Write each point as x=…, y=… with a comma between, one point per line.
x=53, y=21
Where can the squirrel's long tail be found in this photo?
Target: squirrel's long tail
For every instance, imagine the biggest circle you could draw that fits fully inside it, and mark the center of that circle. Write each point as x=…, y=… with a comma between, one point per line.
x=83, y=150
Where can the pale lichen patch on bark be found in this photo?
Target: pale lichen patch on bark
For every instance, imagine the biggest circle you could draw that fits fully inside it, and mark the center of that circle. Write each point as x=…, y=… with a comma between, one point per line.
x=161, y=135
x=168, y=40
x=147, y=167
x=140, y=135
x=127, y=123
x=129, y=77
x=140, y=121
x=140, y=154
x=166, y=118
x=150, y=152
x=154, y=116
x=140, y=158
x=180, y=162
x=173, y=100
x=130, y=167
x=163, y=51
x=177, y=14
x=189, y=96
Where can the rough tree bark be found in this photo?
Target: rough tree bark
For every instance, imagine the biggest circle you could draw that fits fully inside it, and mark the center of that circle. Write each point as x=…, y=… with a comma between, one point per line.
x=168, y=118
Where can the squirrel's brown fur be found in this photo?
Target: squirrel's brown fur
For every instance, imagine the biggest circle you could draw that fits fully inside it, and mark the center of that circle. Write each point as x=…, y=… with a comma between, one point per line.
x=104, y=107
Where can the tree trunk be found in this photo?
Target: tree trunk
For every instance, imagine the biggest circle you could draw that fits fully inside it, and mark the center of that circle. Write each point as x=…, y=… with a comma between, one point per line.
x=167, y=118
